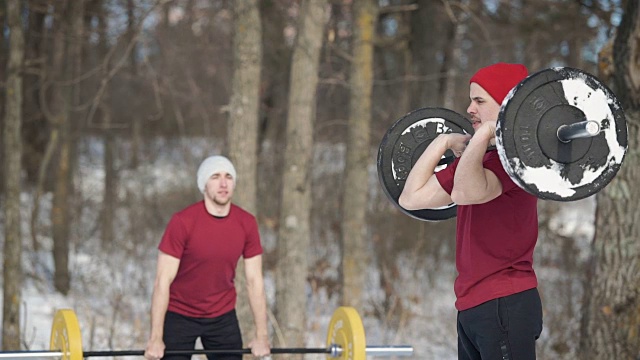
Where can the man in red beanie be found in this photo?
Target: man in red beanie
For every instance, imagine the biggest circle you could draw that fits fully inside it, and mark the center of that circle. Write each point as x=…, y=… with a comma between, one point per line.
x=499, y=308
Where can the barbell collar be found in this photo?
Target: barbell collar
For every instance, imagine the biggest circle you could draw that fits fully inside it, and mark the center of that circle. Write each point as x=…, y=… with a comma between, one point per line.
x=29, y=354
x=385, y=351
x=335, y=351
x=579, y=130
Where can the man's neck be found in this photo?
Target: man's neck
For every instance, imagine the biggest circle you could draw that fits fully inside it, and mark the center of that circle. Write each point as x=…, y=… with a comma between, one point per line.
x=217, y=209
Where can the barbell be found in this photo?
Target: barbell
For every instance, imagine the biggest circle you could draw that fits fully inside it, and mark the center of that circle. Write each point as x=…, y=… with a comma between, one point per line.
x=561, y=135
x=345, y=340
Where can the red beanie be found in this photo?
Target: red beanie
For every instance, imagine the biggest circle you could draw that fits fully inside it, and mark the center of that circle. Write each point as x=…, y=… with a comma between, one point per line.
x=498, y=79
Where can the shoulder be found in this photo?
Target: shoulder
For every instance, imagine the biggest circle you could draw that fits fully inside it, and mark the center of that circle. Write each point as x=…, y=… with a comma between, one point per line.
x=192, y=209
x=190, y=212
x=244, y=217
x=240, y=213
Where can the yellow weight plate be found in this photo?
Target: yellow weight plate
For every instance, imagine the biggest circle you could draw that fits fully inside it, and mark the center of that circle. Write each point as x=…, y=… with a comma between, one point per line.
x=65, y=335
x=346, y=331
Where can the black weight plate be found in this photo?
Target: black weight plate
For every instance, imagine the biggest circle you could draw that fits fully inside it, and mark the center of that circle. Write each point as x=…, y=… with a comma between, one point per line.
x=403, y=144
x=526, y=134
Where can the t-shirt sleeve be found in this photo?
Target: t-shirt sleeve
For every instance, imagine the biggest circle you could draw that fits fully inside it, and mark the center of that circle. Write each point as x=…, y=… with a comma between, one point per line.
x=446, y=175
x=252, y=245
x=492, y=163
x=174, y=238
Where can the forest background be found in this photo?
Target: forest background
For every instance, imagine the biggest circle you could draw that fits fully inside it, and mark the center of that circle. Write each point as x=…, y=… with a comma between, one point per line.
x=110, y=105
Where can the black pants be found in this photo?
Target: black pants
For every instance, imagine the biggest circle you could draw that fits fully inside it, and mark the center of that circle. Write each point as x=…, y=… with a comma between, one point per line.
x=501, y=329
x=222, y=332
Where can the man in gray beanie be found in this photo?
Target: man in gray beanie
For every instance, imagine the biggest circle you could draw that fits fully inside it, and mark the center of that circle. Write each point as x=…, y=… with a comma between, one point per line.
x=194, y=294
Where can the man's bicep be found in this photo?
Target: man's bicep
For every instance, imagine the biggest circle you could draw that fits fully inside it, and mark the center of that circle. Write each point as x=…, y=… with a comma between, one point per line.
x=167, y=267
x=492, y=190
x=253, y=267
x=495, y=185
x=440, y=197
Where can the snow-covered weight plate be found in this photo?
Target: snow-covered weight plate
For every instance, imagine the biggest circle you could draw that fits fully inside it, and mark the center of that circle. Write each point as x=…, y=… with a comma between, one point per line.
x=527, y=134
x=402, y=146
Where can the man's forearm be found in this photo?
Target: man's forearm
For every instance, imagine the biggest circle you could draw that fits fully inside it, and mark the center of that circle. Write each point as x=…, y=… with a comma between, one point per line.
x=424, y=168
x=426, y=165
x=422, y=189
x=159, y=305
x=471, y=183
x=257, y=301
x=470, y=166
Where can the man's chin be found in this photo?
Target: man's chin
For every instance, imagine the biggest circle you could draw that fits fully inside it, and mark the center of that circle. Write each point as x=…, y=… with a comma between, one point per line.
x=222, y=202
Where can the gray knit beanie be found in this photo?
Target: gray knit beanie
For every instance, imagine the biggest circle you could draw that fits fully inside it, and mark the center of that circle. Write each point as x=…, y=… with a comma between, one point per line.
x=212, y=165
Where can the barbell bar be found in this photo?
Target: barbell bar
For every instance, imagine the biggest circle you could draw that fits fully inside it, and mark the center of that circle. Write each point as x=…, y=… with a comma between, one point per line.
x=334, y=351
x=345, y=340
x=579, y=130
x=561, y=135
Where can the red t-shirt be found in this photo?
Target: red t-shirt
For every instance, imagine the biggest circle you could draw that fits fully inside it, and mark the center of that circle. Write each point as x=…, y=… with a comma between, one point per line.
x=494, y=240
x=209, y=249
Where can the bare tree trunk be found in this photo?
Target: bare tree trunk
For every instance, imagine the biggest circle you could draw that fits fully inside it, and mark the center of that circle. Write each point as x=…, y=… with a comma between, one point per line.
x=3, y=43
x=2, y=88
x=448, y=60
x=277, y=59
x=245, y=100
x=110, y=182
x=354, y=224
x=12, y=268
x=243, y=125
x=452, y=51
x=34, y=126
x=109, y=202
x=44, y=128
x=422, y=42
x=295, y=215
x=60, y=214
x=406, y=85
x=612, y=297
x=136, y=119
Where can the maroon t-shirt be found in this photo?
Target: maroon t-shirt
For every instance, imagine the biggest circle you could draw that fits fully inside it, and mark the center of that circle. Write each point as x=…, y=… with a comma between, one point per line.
x=209, y=249
x=494, y=240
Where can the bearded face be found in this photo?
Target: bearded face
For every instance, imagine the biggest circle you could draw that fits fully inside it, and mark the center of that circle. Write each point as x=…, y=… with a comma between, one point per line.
x=483, y=107
x=219, y=188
